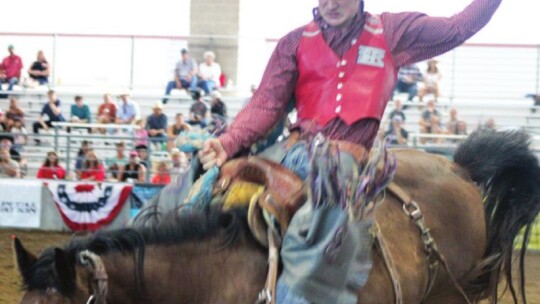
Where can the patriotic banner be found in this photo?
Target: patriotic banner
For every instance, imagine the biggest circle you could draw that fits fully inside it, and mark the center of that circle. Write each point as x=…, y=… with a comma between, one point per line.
x=88, y=206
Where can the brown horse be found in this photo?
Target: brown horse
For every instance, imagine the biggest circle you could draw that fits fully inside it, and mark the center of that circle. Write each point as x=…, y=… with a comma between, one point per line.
x=210, y=256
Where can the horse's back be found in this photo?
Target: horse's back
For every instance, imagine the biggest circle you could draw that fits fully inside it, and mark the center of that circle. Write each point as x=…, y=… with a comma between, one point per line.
x=453, y=211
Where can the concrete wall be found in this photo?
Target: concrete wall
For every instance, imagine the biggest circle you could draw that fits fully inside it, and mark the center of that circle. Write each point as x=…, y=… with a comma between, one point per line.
x=218, y=20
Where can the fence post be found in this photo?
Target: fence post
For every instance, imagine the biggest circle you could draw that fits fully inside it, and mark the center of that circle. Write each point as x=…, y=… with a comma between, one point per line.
x=56, y=139
x=53, y=72
x=68, y=154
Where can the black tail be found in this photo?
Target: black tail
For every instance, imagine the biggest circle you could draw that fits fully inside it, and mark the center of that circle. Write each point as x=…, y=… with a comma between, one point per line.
x=507, y=171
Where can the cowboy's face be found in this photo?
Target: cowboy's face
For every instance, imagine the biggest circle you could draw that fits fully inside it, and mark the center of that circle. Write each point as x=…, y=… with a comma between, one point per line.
x=338, y=12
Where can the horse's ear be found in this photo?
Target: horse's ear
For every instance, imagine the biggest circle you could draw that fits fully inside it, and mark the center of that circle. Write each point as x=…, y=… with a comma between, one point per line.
x=23, y=258
x=65, y=271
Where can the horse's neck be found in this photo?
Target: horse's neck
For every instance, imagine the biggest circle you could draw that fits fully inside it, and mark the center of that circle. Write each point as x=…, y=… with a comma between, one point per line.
x=190, y=273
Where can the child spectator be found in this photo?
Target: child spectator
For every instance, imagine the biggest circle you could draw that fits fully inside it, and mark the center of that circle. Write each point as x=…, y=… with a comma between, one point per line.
x=141, y=134
x=92, y=169
x=81, y=157
x=162, y=177
x=50, y=168
x=115, y=163
x=397, y=135
x=430, y=122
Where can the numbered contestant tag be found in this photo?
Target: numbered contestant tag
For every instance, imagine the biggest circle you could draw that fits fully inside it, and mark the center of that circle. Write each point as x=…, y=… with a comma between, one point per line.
x=371, y=56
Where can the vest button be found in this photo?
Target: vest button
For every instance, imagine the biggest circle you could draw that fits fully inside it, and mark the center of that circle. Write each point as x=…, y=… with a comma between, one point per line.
x=353, y=41
x=341, y=74
x=338, y=109
x=340, y=86
x=338, y=97
x=343, y=62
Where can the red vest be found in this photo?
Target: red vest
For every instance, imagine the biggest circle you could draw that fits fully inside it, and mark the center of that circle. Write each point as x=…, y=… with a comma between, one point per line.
x=353, y=87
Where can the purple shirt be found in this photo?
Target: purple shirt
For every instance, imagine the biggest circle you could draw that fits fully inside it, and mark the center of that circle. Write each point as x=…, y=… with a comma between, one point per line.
x=412, y=37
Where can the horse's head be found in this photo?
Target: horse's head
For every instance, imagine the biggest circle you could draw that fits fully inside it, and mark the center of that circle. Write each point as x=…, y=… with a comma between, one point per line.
x=53, y=277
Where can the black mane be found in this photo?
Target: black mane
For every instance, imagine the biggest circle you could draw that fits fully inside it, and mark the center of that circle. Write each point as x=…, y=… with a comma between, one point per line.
x=177, y=227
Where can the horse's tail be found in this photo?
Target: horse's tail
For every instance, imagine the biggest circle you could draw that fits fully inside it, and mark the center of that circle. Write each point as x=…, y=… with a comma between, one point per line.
x=508, y=173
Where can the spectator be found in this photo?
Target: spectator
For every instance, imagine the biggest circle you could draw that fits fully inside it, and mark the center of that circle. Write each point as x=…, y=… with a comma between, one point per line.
x=454, y=126
x=80, y=113
x=51, y=110
x=8, y=167
x=128, y=111
x=6, y=143
x=178, y=127
x=81, y=157
x=20, y=135
x=431, y=81
x=430, y=122
x=180, y=163
x=218, y=106
x=133, y=171
x=50, y=168
x=397, y=135
x=92, y=169
x=39, y=71
x=107, y=110
x=140, y=133
x=144, y=158
x=13, y=113
x=408, y=77
x=162, y=176
x=120, y=159
x=185, y=75
x=489, y=125
x=209, y=73
x=396, y=112
x=156, y=125
x=199, y=111
x=11, y=66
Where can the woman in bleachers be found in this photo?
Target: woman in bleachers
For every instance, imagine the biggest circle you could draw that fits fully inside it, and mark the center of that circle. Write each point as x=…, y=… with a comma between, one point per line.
x=178, y=127
x=431, y=81
x=92, y=169
x=13, y=113
x=40, y=69
x=133, y=171
x=51, y=169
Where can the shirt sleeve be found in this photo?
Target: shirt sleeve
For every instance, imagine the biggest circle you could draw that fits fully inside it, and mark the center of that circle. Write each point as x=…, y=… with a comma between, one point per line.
x=414, y=37
x=269, y=102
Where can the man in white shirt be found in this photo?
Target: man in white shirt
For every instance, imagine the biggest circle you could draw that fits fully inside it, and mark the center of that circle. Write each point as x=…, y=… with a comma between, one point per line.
x=209, y=73
x=128, y=111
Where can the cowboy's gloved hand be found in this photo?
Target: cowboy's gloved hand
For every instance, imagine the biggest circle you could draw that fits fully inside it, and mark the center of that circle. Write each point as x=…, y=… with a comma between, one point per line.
x=326, y=256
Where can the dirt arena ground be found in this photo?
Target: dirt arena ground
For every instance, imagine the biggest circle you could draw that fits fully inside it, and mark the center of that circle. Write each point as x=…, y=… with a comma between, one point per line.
x=35, y=241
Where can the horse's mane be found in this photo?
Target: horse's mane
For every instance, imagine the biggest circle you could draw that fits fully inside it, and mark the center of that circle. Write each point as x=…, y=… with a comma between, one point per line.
x=176, y=227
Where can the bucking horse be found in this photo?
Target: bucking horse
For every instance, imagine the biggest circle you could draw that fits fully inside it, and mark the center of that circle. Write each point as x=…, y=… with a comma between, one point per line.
x=446, y=234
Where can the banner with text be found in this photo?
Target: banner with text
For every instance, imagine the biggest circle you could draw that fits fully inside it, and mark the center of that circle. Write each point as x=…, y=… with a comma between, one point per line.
x=88, y=206
x=20, y=203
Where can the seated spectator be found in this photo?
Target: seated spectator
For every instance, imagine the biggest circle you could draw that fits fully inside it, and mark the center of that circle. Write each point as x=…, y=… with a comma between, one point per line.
x=40, y=69
x=218, y=106
x=430, y=122
x=133, y=171
x=50, y=168
x=80, y=113
x=180, y=164
x=81, y=157
x=489, y=125
x=92, y=169
x=199, y=112
x=141, y=134
x=144, y=157
x=106, y=112
x=408, y=77
x=397, y=135
x=454, y=126
x=396, y=112
x=178, y=127
x=13, y=113
x=156, y=125
x=209, y=73
x=431, y=81
x=120, y=159
x=20, y=135
x=162, y=176
x=8, y=167
x=127, y=111
x=185, y=75
x=7, y=143
x=52, y=111
x=11, y=66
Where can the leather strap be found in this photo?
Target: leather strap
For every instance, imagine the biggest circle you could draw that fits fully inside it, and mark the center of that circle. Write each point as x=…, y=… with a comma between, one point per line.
x=433, y=254
x=390, y=265
x=268, y=294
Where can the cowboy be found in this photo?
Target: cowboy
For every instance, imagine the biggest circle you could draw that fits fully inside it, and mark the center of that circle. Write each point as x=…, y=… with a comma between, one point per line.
x=341, y=69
